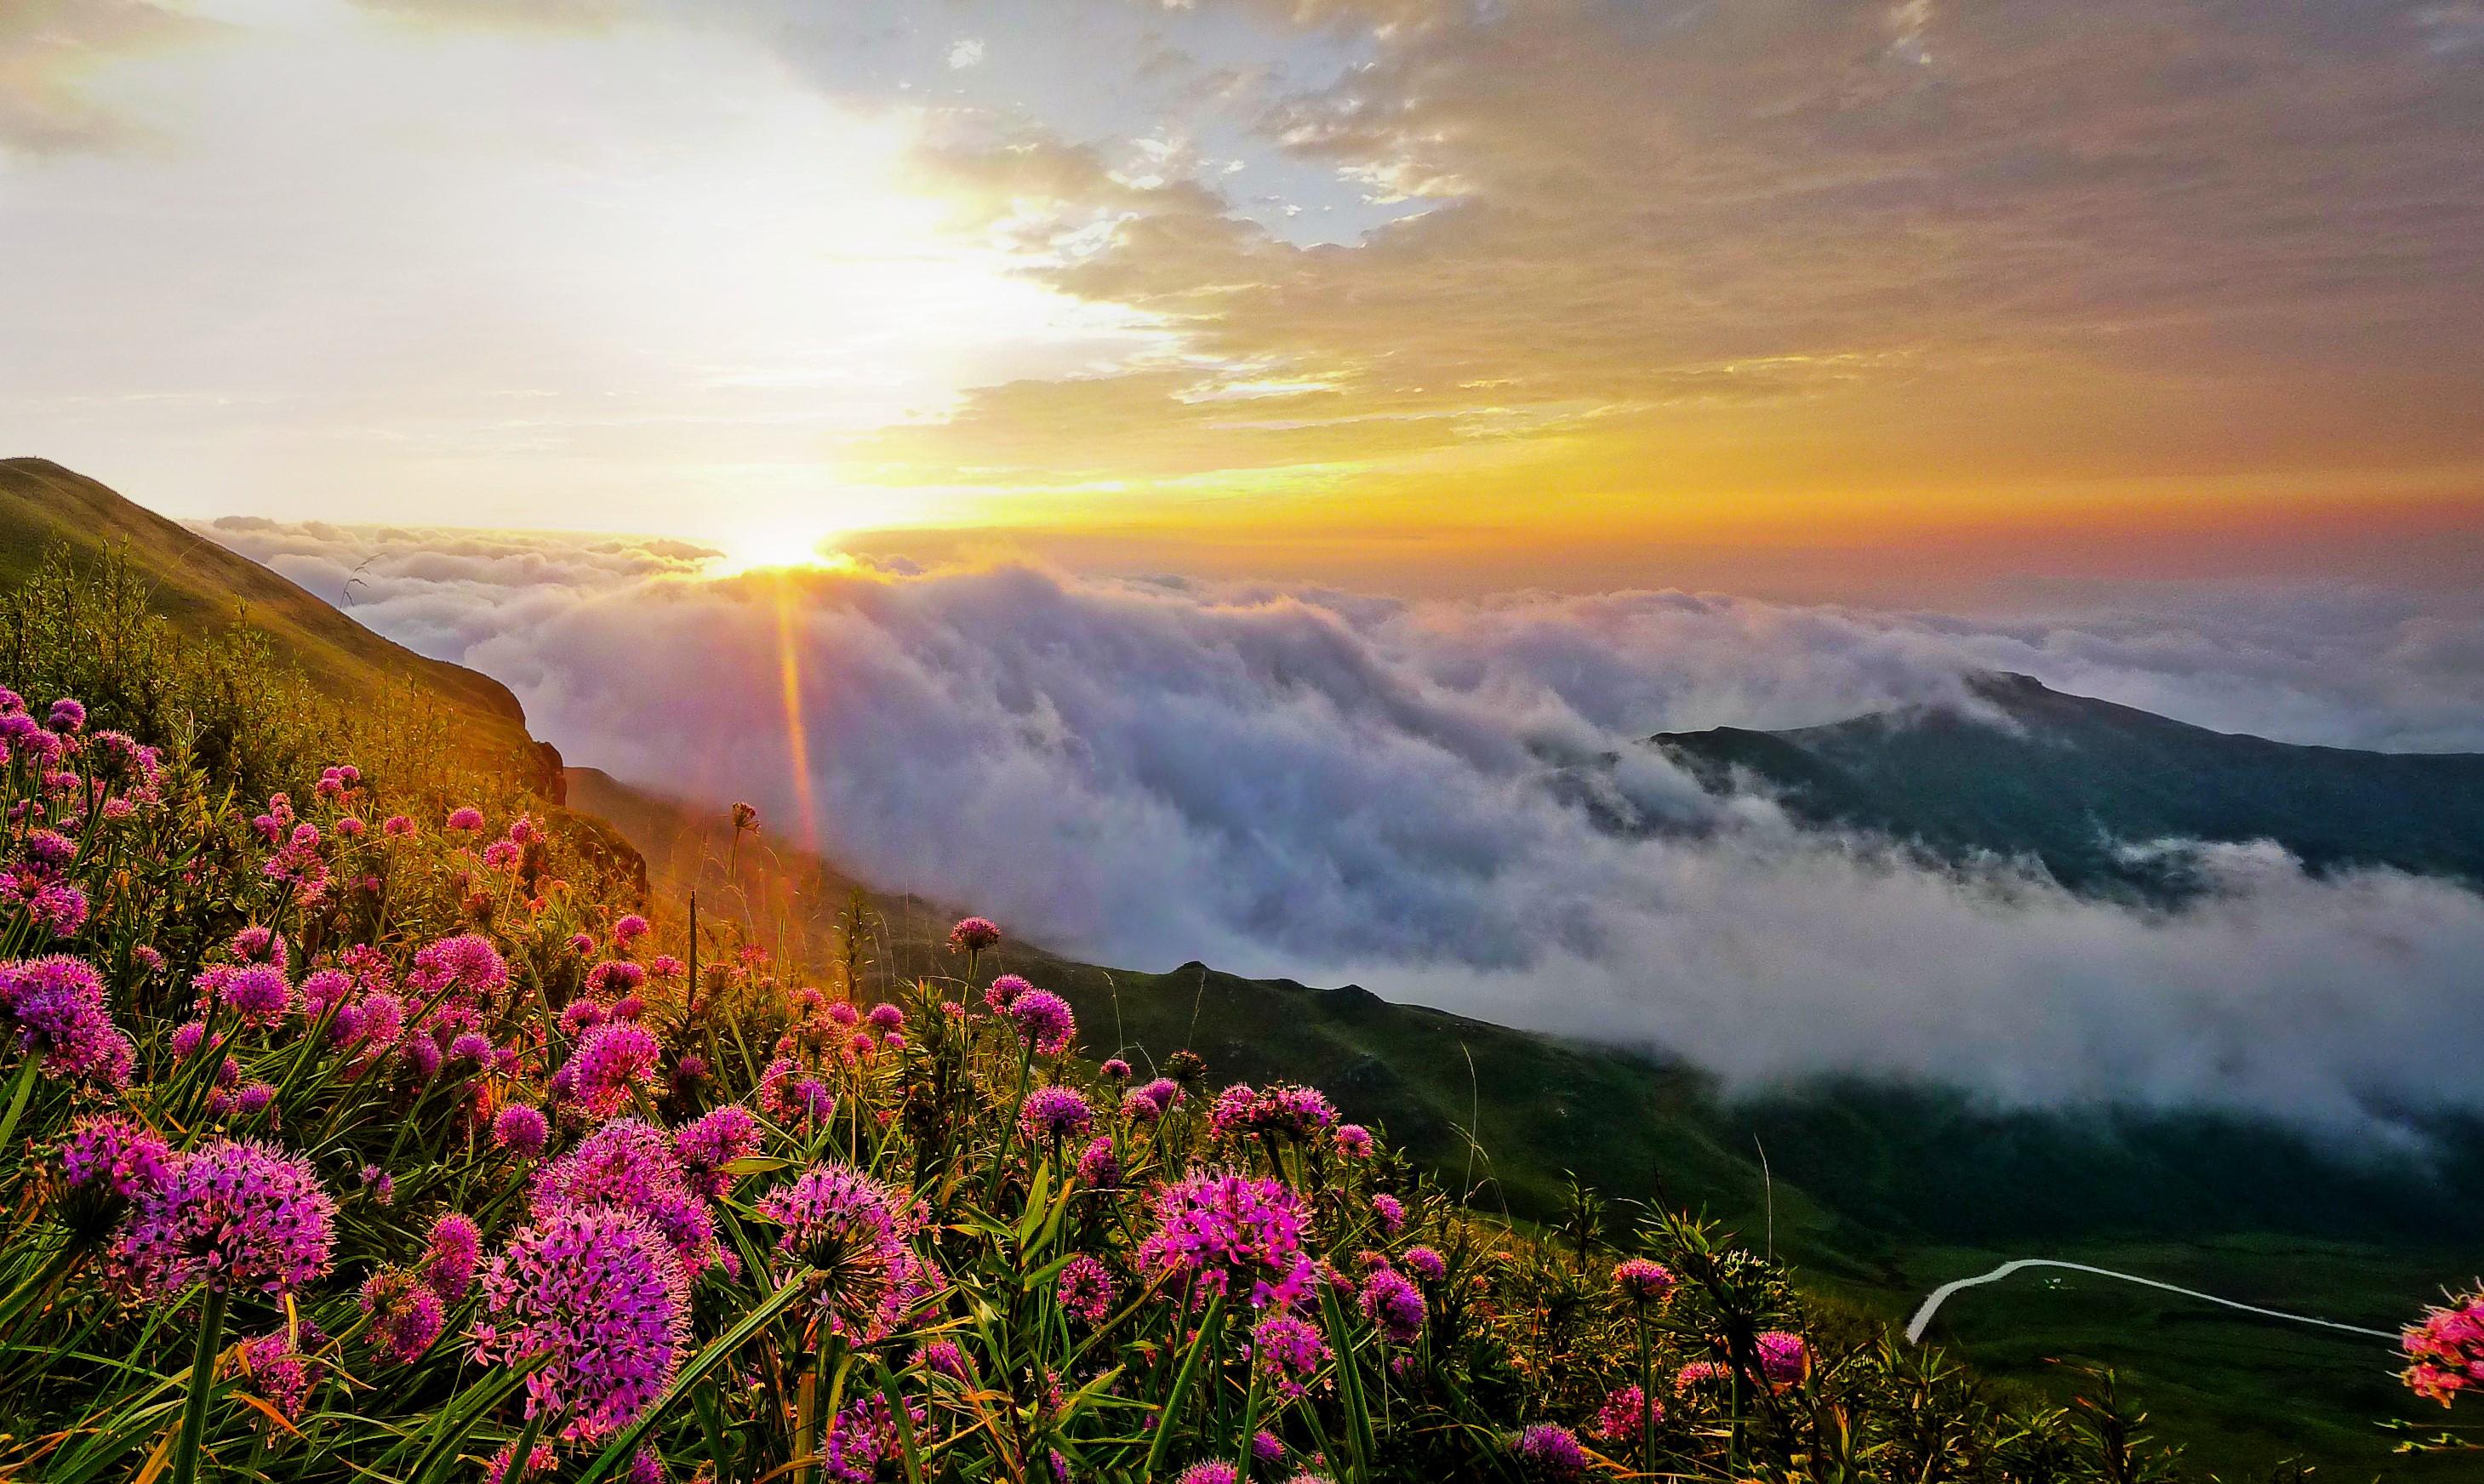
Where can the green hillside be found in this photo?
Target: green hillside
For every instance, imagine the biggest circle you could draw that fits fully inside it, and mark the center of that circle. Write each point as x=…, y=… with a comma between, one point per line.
x=200, y=585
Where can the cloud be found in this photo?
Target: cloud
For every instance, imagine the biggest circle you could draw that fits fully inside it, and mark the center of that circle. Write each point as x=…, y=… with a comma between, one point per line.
x=1335, y=786
x=1703, y=251
x=49, y=49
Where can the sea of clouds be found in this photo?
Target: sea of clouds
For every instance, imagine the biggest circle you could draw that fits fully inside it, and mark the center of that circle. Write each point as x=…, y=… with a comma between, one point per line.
x=1340, y=788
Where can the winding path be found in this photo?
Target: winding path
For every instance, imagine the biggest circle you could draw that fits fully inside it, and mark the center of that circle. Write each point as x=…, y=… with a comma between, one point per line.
x=1933, y=1301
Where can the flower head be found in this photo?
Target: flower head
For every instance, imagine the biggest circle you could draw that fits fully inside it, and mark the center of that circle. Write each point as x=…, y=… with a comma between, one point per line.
x=234, y=1213
x=599, y=1294
x=1223, y=1228
x=1086, y=1289
x=1426, y=1263
x=1045, y=1019
x=2446, y=1351
x=613, y=1060
x=1214, y=1471
x=113, y=1152
x=1287, y=1353
x=973, y=934
x=449, y=1257
x=1054, y=1113
x=632, y=1165
x=713, y=1140
x=406, y=1315
x=1644, y=1281
x=1784, y=1358
x=1393, y=1306
x=1548, y=1452
x=521, y=1130
x=56, y=1007
x=1624, y=1412
x=852, y=1230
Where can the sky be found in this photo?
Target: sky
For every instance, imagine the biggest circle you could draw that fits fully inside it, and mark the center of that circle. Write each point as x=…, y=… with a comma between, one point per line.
x=1918, y=302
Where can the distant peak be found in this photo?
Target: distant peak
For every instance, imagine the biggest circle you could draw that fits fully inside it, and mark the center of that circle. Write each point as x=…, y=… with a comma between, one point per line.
x=1996, y=684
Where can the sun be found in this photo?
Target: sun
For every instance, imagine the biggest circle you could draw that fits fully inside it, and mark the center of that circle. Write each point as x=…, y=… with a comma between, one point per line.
x=757, y=545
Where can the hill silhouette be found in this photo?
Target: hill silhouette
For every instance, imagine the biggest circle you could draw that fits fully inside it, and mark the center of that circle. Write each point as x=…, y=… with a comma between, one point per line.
x=2087, y=787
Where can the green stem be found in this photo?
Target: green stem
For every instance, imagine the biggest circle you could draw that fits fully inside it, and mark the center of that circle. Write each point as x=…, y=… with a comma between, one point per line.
x=203, y=1389
x=17, y=1096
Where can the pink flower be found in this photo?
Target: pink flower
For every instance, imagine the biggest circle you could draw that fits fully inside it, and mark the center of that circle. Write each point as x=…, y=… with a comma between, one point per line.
x=1551, y=1453
x=232, y=1213
x=1052, y=1114
x=1220, y=1228
x=1045, y=1019
x=1393, y=1306
x=853, y=1231
x=521, y=1130
x=1644, y=1281
x=1623, y=1414
x=1784, y=1358
x=1287, y=1353
x=1354, y=1141
x=406, y=1315
x=973, y=934
x=613, y=1060
x=598, y=1294
x=468, y=819
x=1086, y=1289
x=449, y=1257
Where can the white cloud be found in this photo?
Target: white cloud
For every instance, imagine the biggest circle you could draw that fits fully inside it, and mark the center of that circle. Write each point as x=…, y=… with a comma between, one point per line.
x=1340, y=787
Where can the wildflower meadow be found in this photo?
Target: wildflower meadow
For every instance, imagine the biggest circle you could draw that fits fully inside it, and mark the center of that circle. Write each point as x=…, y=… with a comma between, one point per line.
x=363, y=1122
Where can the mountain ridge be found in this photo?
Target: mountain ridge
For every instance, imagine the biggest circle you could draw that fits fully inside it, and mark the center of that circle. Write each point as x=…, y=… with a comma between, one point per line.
x=2089, y=787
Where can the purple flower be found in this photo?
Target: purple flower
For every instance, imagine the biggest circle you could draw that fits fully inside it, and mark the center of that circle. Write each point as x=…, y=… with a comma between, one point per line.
x=1644, y=1281
x=68, y=715
x=467, y=819
x=629, y=929
x=1100, y=1167
x=1392, y=1305
x=1115, y=1069
x=1784, y=1358
x=1354, y=1141
x=942, y=1358
x=59, y=908
x=49, y=848
x=1623, y=1414
x=1214, y=1471
x=465, y=967
x=256, y=992
x=450, y=1257
x=632, y=1165
x=973, y=934
x=1086, y=1289
x=56, y=1006
x=471, y=1046
x=1009, y=987
x=1428, y=1263
x=787, y=1096
x=1391, y=1212
x=1219, y=1229
x=886, y=1016
x=521, y=1130
x=234, y=1213
x=598, y=1293
x=713, y=1140
x=1052, y=1114
x=1153, y=1102
x=853, y=1230
x=1045, y=1019
x=115, y=1150
x=1696, y=1373
x=613, y=1060
x=283, y=1375
x=1268, y=1448
x=1287, y=1352
x=406, y=1315
x=1553, y=1453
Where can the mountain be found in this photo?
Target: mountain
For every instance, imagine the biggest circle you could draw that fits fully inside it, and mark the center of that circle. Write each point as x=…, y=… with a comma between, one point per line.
x=2084, y=788
x=199, y=584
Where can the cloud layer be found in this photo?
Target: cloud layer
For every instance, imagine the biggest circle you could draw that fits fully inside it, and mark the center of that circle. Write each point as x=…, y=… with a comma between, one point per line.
x=1339, y=787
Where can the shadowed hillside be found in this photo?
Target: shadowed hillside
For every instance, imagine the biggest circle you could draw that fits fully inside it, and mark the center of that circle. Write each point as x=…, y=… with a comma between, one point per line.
x=2074, y=782
x=200, y=585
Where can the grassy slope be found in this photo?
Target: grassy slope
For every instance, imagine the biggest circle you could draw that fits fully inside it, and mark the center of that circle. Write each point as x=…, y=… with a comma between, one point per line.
x=1880, y=1193
x=201, y=584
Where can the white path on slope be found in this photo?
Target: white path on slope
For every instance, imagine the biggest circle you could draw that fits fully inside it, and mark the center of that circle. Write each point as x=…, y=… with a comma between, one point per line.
x=1932, y=1303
